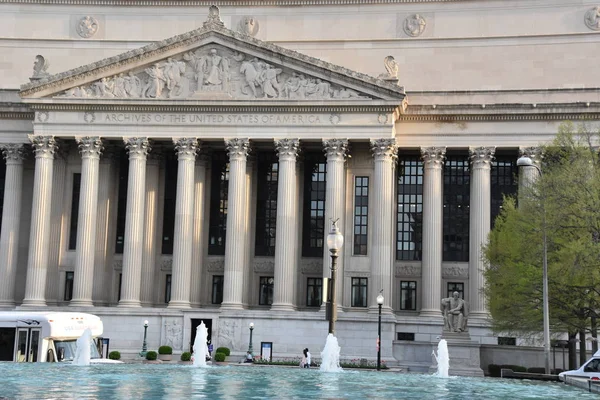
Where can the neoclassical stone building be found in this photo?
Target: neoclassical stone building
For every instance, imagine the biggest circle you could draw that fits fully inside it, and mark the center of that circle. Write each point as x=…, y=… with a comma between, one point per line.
x=194, y=178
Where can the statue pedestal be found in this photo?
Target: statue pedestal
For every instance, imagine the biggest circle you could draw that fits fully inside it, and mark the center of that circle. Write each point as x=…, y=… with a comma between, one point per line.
x=463, y=354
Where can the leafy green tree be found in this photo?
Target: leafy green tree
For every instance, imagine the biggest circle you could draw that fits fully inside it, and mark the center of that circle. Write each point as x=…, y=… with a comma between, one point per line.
x=564, y=203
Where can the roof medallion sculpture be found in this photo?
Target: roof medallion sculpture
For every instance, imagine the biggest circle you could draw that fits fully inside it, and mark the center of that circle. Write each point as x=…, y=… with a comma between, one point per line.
x=592, y=18
x=217, y=72
x=391, y=67
x=87, y=27
x=40, y=68
x=414, y=25
x=248, y=25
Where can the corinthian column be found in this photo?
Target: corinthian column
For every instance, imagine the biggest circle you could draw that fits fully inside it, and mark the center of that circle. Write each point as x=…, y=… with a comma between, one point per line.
x=134, y=221
x=287, y=225
x=90, y=148
x=235, y=238
x=431, y=264
x=44, y=147
x=11, y=213
x=479, y=225
x=335, y=206
x=529, y=174
x=384, y=154
x=184, y=214
x=198, y=236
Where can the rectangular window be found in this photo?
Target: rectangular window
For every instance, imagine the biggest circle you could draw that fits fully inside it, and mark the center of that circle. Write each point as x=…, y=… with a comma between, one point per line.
x=456, y=287
x=266, y=205
x=409, y=219
x=314, y=290
x=359, y=292
x=74, y=211
x=168, y=288
x=313, y=227
x=266, y=291
x=69, y=279
x=120, y=283
x=218, y=204
x=507, y=341
x=456, y=208
x=504, y=181
x=122, y=203
x=217, y=289
x=169, y=206
x=406, y=336
x=361, y=214
x=408, y=295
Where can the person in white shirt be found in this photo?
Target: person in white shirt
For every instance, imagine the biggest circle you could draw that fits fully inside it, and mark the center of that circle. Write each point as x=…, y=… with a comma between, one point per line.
x=307, y=355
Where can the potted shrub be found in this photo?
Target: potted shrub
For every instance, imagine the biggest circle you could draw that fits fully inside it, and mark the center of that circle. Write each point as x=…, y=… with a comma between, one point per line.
x=165, y=353
x=186, y=357
x=219, y=358
x=114, y=355
x=151, y=356
x=224, y=350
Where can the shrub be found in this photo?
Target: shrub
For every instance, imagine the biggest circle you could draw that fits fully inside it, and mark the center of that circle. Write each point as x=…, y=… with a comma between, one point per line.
x=220, y=357
x=186, y=356
x=224, y=350
x=151, y=355
x=114, y=355
x=165, y=350
x=494, y=370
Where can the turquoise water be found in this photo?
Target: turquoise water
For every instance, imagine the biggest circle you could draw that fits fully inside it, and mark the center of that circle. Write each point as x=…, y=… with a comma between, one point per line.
x=145, y=381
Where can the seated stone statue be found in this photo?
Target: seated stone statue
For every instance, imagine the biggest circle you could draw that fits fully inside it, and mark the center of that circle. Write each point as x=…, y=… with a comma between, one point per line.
x=455, y=311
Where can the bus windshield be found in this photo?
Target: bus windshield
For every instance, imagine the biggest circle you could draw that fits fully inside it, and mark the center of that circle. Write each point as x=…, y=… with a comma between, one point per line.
x=65, y=350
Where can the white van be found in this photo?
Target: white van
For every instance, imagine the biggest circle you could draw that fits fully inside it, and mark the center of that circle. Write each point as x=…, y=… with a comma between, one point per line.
x=589, y=370
x=46, y=336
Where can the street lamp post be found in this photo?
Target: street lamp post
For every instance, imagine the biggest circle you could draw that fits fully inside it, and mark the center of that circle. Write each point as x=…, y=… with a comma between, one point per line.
x=379, y=303
x=527, y=162
x=144, y=345
x=335, y=240
x=250, y=350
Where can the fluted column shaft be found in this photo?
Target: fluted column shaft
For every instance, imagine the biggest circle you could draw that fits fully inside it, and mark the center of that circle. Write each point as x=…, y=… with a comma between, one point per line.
x=11, y=213
x=479, y=225
x=198, y=236
x=150, y=228
x=335, y=207
x=134, y=222
x=235, y=239
x=90, y=148
x=184, y=213
x=433, y=164
x=35, y=286
x=384, y=154
x=287, y=225
x=529, y=174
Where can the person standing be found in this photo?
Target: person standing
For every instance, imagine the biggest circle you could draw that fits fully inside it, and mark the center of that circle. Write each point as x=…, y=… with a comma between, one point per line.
x=303, y=360
x=307, y=355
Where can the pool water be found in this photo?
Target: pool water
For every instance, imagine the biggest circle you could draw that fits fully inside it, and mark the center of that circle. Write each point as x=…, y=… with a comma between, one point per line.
x=151, y=381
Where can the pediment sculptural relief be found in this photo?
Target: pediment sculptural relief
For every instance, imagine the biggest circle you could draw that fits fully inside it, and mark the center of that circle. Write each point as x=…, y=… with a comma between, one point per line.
x=214, y=72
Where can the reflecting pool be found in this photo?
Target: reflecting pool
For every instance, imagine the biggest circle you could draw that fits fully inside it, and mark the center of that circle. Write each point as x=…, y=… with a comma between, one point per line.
x=151, y=381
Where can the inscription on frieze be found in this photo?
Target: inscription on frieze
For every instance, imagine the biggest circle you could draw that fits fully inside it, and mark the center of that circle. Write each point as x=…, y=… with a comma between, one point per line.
x=208, y=119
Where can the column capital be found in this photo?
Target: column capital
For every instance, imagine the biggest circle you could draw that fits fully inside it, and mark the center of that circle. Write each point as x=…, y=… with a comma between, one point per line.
x=335, y=148
x=13, y=153
x=533, y=152
x=186, y=148
x=43, y=146
x=433, y=157
x=481, y=157
x=287, y=149
x=90, y=146
x=385, y=148
x=138, y=147
x=238, y=148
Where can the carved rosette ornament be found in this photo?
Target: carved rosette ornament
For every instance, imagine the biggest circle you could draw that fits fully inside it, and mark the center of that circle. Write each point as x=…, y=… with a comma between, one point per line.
x=238, y=148
x=90, y=146
x=138, y=147
x=186, y=148
x=43, y=146
x=481, y=157
x=335, y=148
x=433, y=156
x=248, y=25
x=592, y=18
x=13, y=153
x=414, y=25
x=384, y=149
x=534, y=153
x=287, y=149
x=87, y=27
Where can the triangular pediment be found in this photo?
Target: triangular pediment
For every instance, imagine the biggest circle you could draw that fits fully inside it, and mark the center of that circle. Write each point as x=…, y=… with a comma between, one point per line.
x=213, y=63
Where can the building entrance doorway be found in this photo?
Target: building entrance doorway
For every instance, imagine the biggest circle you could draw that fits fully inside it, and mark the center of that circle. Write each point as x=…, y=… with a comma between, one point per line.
x=195, y=323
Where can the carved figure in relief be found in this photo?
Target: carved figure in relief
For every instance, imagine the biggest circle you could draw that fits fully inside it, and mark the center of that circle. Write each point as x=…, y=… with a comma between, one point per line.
x=87, y=27
x=133, y=85
x=173, y=333
x=414, y=25
x=40, y=67
x=592, y=18
x=323, y=89
x=268, y=78
x=119, y=86
x=199, y=64
x=251, y=76
x=248, y=25
x=291, y=86
x=214, y=73
x=455, y=311
x=103, y=88
x=156, y=83
x=172, y=72
x=344, y=93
